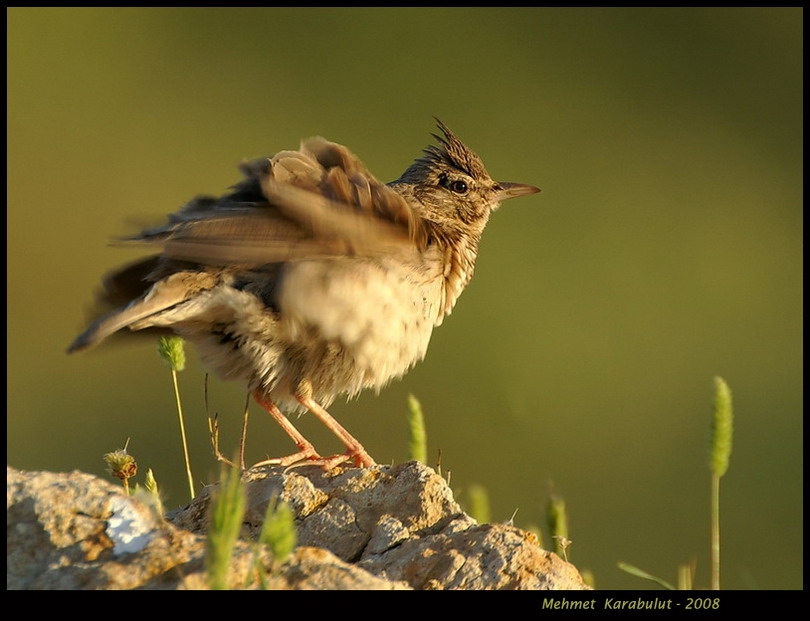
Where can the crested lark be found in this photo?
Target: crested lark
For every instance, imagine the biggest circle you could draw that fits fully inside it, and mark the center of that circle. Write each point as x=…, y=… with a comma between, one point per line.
x=312, y=279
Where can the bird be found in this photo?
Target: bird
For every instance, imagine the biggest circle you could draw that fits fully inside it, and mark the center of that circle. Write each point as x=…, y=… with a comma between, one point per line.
x=310, y=279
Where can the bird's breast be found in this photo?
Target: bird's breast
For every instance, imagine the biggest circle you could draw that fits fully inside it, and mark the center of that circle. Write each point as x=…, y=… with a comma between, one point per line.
x=382, y=315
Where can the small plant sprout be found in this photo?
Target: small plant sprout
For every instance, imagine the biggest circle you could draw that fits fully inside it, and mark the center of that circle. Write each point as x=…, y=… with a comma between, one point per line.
x=416, y=423
x=227, y=511
x=121, y=465
x=720, y=451
x=640, y=573
x=278, y=531
x=557, y=518
x=152, y=493
x=171, y=351
x=213, y=432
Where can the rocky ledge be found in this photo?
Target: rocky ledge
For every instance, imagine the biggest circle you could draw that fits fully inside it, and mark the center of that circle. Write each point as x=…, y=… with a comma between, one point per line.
x=386, y=527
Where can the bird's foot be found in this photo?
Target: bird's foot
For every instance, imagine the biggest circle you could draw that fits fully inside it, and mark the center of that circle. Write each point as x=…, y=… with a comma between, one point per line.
x=359, y=457
x=305, y=456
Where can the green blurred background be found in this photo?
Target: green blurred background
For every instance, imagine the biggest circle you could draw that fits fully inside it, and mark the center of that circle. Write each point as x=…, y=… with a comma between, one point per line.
x=665, y=249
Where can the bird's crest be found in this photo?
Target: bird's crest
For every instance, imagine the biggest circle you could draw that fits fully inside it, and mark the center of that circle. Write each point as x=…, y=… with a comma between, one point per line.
x=451, y=151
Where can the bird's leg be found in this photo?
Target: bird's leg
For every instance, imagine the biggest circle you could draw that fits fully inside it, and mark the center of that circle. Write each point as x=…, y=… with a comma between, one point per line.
x=306, y=449
x=354, y=450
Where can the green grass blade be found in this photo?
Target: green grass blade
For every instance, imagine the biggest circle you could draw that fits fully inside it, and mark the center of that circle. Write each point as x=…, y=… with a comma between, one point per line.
x=227, y=511
x=416, y=423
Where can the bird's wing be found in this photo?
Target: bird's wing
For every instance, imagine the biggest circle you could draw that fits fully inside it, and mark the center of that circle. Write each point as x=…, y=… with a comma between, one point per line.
x=319, y=201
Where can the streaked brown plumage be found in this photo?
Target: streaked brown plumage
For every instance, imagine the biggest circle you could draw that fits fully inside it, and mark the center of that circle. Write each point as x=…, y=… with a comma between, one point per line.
x=312, y=279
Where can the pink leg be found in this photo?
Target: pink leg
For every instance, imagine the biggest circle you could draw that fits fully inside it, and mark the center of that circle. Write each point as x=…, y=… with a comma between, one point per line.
x=306, y=449
x=354, y=450
x=307, y=453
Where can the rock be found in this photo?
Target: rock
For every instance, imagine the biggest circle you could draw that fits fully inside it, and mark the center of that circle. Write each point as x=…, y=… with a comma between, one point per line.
x=386, y=527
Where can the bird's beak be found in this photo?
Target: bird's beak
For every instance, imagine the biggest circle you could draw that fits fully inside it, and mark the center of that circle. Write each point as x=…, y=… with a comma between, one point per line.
x=513, y=190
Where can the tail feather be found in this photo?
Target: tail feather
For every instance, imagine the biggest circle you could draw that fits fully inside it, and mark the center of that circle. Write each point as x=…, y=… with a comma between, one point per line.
x=164, y=295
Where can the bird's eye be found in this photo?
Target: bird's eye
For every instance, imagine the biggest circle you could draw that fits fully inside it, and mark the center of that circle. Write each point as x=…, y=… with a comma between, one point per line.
x=459, y=187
